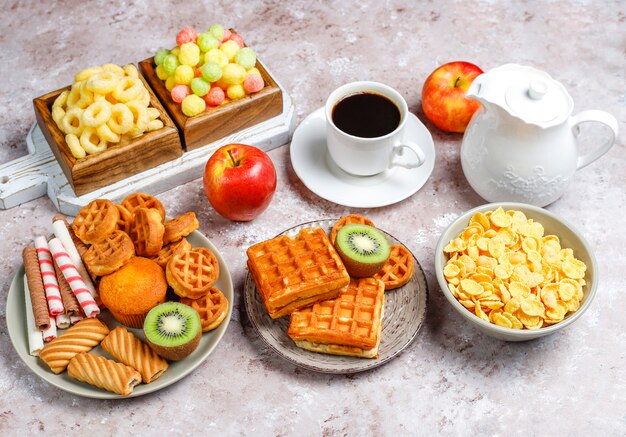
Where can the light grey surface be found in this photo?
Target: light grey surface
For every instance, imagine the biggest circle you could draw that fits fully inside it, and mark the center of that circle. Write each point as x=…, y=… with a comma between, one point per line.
x=452, y=380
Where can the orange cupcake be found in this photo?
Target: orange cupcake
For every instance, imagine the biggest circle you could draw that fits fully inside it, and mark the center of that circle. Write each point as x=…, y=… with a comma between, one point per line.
x=133, y=290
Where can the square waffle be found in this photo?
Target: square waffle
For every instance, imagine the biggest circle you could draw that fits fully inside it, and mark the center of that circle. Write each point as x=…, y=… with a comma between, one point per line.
x=292, y=273
x=350, y=324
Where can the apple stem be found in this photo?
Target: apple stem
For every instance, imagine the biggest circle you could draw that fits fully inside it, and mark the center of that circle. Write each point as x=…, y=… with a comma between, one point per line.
x=456, y=82
x=234, y=161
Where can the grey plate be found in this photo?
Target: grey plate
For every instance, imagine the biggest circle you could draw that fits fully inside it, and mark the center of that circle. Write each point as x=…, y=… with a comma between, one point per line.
x=16, y=322
x=405, y=310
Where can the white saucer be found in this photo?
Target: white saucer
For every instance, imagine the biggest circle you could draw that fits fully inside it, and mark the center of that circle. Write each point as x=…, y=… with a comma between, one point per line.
x=314, y=166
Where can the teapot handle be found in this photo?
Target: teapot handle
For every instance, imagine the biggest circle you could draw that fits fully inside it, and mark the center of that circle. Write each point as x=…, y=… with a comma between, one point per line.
x=600, y=117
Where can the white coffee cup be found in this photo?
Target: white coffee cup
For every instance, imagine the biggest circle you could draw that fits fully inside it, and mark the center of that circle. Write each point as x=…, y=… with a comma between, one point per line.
x=369, y=156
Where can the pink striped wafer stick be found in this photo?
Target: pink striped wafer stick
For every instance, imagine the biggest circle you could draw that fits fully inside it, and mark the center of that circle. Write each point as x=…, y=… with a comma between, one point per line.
x=50, y=333
x=68, y=268
x=50, y=284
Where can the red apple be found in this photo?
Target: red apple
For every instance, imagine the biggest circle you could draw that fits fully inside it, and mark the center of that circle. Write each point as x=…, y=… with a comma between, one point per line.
x=444, y=97
x=239, y=181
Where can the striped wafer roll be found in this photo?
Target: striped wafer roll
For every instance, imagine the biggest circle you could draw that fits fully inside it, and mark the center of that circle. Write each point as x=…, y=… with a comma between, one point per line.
x=62, y=232
x=62, y=321
x=128, y=349
x=50, y=333
x=35, y=338
x=50, y=284
x=107, y=374
x=36, y=288
x=81, y=247
x=70, y=303
x=68, y=268
x=75, y=319
x=81, y=337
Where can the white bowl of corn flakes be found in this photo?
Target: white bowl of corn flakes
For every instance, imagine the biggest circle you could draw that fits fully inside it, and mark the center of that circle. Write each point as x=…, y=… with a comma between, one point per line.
x=516, y=271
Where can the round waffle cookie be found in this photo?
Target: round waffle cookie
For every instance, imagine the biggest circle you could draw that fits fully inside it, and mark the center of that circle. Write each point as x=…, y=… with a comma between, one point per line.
x=348, y=220
x=95, y=220
x=147, y=231
x=125, y=221
x=398, y=269
x=142, y=200
x=166, y=253
x=212, y=308
x=109, y=254
x=192, y=273
x=180, y=227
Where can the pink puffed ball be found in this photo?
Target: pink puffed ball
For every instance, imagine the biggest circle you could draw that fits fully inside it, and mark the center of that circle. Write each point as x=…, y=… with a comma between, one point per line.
x=179, y=92
x=186, y=35
x=215, y=96
x=227, y=34
x=237, y=38
x=253, y=83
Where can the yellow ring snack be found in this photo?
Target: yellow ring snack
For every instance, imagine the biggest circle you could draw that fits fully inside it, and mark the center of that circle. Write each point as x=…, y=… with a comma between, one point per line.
x=97, y=113
x=105, y=133
x=61, y=100
x=72, y=122
x=140, y=114
x=128, y=89
x=86, y=73
x=121, y=120
x=74, y=144
x=113, y=68
x=155, y=125
x=91, y=142
x=507, y=272
x=130, y=70
x=57, y=114
x=73, y=96
x=102, y=83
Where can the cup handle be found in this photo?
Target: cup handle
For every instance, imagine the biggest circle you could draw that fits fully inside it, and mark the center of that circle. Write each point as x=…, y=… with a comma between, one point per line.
x=600, y=117
x=399, y=150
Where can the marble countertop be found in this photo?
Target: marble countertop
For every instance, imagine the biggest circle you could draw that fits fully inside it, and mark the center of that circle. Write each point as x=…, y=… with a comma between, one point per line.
x=451, y=380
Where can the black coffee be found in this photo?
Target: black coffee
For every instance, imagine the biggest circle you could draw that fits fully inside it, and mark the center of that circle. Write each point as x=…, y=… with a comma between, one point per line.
x=366, y=115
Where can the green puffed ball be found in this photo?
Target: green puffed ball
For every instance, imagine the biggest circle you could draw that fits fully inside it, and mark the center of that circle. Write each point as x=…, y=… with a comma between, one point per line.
x=160, y=56
x=200, y=86
x=246, y=57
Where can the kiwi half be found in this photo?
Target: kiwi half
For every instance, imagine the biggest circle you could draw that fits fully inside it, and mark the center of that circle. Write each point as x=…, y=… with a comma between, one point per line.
x=363, y=249
x=173, y=330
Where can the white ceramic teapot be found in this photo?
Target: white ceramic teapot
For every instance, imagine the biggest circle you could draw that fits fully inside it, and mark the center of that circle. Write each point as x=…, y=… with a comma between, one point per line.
x=520, y=146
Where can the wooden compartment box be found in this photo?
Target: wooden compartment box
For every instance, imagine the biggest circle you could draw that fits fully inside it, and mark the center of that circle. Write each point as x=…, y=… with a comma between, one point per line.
x=119, y=161
x=216, y=123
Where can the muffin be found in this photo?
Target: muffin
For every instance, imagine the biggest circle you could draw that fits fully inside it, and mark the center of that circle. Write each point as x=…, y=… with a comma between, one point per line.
x=133, y=290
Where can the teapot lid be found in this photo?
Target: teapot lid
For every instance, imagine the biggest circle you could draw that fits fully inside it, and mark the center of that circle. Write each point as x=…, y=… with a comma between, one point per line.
x=532, y=95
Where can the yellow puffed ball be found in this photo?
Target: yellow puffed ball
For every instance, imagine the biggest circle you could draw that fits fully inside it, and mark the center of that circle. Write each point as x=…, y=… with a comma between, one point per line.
x=217, y=56
x=161, y=72
x=193, y=105
x=175, y=51
x=235, y=92
x=253, y=70
x=170, y=83
x=183, y=75
x=233, y=74
x=189, y=54
x=230, y=49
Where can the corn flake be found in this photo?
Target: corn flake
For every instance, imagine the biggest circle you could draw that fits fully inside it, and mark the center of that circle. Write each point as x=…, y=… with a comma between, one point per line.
x=504, y=269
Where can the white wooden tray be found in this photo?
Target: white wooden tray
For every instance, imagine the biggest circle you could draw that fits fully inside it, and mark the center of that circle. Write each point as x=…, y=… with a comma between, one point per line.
x=38, y=173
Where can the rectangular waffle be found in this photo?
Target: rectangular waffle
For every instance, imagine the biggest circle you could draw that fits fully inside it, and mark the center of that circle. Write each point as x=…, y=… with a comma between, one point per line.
x=291, y=273
x=350, y=324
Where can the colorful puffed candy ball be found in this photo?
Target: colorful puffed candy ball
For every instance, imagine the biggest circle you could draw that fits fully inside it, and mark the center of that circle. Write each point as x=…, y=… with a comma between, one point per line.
x=179, y=92
x=189, y=54
x=170, y=83
x=161, y=73
x=170, y=63
x=184, y=74
x=233, y=74
x=253, y=83
x=200, y=86
x=215, y=96
x=217, y=56
x=186, y=35
x=192, y=105
x=160, y=56
x=211, y=71
x=230, y=49
x=235, y=92
x=246, y=57
x=217, y=30
x=237, y=38
x=206, y=42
